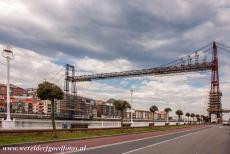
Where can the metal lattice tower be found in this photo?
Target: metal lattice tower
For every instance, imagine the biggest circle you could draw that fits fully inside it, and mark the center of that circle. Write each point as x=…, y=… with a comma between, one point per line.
x=70, y=99
x=215, y=106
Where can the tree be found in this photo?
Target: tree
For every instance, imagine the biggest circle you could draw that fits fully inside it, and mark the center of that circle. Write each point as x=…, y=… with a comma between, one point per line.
x=167, y=110
x=121, y=105
x=153, y=109
x=111, y=100
x=202, y=118
x=206, y=119
x=192, y=115
x=187, y=115
x=198, y=117
x=179, y=113
x=50, y=91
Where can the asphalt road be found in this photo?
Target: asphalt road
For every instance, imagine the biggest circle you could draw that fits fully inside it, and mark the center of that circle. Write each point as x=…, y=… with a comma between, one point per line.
x=54, y=147
x=212, y=140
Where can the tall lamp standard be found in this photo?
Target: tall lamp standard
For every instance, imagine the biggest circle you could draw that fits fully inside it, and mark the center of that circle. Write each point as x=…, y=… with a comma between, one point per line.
x=9, y=55
x=131, y=102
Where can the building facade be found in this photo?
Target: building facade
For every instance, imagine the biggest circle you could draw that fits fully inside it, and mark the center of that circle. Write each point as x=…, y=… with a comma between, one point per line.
x=106, y=110
x=147, y=115
x=85, y=108
x=25, y=101
x=14, y=90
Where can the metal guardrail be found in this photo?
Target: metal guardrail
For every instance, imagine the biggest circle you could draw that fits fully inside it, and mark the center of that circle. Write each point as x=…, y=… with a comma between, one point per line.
x=26, y=116
x=47, y=116
x=11, y=132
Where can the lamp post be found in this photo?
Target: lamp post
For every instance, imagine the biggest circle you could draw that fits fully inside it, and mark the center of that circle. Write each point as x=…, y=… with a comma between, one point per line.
x=184, y=114
x=131, y=102
x=8, y=54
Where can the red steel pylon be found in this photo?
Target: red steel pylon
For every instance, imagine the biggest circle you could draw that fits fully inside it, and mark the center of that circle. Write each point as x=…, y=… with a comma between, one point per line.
x=215, y=106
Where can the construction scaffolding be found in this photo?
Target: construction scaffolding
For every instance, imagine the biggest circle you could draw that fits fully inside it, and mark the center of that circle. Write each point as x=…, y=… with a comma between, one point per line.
x=214, y=105
x=69, y=103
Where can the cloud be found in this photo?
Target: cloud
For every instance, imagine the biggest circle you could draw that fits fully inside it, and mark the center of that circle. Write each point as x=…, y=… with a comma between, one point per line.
x=102, y=29
x=153, y=44
x=97, y=66
x=28, y=68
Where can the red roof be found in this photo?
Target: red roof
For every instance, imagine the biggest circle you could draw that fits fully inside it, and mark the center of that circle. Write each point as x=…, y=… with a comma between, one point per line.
x=25, y=100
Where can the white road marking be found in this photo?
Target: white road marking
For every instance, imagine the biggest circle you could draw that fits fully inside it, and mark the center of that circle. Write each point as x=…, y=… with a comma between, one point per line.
x=159, y=143
x=108, y=145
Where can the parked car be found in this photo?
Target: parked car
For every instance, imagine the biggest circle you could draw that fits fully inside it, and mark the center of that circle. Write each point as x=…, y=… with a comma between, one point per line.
x=225, y=123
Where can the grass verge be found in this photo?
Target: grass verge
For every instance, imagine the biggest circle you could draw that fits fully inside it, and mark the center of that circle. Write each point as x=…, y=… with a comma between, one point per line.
x=43, y=137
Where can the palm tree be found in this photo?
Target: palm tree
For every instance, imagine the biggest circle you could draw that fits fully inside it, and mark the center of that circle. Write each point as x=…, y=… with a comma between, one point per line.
x=167, y=110
x=192, y=115
x=50, y=91
x=198, y=117
x=205, y=118
x=153, y=109
x=121, y=105
x=187, y=115
x=202, y=118
x=179, y=113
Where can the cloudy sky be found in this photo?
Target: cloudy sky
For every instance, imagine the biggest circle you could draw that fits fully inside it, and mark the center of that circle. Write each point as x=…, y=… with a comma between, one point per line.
x=115, y=35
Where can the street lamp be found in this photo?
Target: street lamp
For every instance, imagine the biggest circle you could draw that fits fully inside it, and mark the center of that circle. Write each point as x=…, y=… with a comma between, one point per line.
x=131, y=102
x=9, y=55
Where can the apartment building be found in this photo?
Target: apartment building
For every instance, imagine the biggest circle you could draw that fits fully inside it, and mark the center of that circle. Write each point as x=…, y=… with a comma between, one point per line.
x=14, y=90
x=85, y=108
x=26, y=101
x=106, y=110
